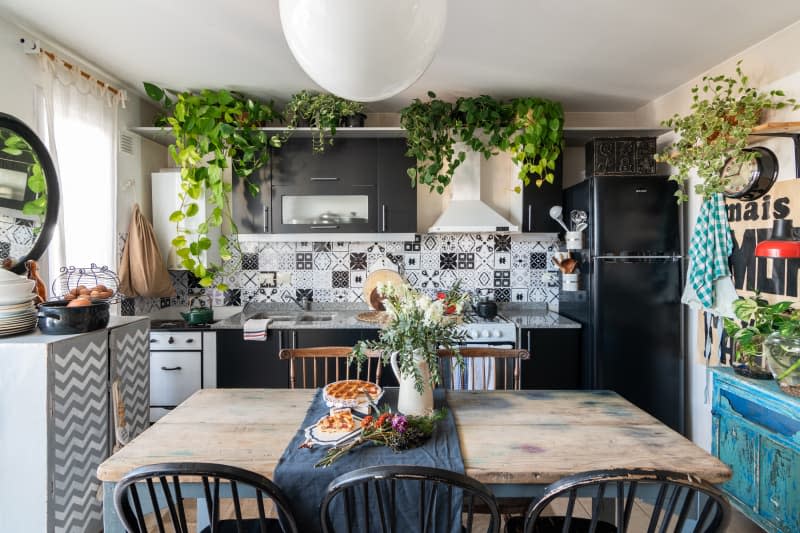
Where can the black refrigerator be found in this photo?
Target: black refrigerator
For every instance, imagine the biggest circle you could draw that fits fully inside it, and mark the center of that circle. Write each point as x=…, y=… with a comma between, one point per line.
x=632, y=271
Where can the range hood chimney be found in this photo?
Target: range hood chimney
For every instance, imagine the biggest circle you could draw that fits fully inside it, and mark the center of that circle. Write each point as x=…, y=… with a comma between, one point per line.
x=466, y=213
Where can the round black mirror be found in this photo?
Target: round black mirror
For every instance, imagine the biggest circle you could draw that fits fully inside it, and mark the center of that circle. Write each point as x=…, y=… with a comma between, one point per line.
x=29, y=195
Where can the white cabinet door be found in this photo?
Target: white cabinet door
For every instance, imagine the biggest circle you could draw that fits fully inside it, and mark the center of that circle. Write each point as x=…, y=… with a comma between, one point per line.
x=174, y=376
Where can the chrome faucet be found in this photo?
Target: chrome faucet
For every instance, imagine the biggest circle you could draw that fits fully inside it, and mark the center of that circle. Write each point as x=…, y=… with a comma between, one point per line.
x=303, y=303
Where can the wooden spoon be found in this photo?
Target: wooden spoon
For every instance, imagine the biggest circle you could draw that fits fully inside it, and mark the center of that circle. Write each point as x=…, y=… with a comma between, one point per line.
x=561, y=268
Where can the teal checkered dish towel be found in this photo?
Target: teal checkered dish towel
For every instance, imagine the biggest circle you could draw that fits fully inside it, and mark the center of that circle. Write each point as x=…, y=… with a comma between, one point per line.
x=710, y=247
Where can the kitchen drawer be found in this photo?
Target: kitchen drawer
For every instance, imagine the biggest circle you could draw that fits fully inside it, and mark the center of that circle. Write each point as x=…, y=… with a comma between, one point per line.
x=174, y=376
x=176, y=340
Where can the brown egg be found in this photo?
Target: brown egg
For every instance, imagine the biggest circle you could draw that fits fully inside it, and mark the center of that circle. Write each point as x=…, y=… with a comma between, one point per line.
x=100, y=287
x=96, y=294
x=69, y=296
x=86, y=297
x=106, y=294
x=74, y=291
x=79, y=302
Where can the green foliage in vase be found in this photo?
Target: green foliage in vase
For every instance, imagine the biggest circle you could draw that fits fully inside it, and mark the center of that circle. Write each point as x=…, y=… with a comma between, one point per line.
x=724, y=111
x=757, y=320
x=417, y=326
x=14, y=145
x=212, y=128
x=323, y=112
x=530, y=129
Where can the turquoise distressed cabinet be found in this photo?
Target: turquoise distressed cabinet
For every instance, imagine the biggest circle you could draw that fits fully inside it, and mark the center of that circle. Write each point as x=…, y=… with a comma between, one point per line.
x=756, y=431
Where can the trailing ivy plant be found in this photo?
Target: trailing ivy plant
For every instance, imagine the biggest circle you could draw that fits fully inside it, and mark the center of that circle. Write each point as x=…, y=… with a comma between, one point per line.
x=323, y=112
x=531, y=129
x=724, y=111
x=14, y=145
x=212, y=128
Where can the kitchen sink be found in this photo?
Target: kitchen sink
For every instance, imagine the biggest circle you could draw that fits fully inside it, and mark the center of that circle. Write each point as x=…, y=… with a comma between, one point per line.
x=314, y=318
x=275, y=318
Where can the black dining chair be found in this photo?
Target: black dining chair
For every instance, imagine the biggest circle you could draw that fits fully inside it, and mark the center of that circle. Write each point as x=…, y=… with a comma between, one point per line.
x=369, y=500
x=141, y=495
x=643, y=501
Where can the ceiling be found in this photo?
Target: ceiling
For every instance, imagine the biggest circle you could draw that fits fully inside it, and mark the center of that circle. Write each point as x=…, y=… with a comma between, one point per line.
x=612, y=55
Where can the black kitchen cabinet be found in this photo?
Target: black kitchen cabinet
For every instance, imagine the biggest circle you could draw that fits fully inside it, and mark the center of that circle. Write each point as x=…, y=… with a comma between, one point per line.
x=309, y=338
x=555, y=359
x=250, y=364
x=537, y=201
x=252, y=213
x=357, y=185
x=397, y=210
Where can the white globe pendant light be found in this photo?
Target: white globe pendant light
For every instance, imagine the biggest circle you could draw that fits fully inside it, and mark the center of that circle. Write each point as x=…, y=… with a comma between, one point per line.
x=363, y=50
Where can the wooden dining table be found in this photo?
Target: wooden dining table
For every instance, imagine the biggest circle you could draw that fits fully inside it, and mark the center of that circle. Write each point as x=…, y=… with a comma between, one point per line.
x=516, y=442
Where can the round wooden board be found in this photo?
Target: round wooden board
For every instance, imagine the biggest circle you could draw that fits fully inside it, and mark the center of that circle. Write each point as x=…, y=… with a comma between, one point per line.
x=372, y=281
x=373, y=317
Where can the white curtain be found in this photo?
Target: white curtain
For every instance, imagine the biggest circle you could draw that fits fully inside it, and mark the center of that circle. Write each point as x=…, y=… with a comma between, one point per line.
x=78, y=120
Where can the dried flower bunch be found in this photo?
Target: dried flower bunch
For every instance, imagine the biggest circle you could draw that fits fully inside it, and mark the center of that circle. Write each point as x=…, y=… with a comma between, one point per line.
x=398, y=432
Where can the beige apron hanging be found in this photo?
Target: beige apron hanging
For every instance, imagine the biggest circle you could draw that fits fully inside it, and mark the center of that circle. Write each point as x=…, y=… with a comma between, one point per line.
x=141, y=269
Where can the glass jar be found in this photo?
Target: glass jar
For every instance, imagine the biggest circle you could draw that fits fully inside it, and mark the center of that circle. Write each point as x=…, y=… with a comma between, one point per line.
x=783, y=360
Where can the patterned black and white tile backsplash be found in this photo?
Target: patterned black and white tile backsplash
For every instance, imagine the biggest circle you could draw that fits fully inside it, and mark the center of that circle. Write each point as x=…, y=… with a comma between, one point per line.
x=512, y=268
x=17, y=235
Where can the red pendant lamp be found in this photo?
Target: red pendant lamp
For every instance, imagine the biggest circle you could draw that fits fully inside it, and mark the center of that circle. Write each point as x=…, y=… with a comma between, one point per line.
x=782, y=244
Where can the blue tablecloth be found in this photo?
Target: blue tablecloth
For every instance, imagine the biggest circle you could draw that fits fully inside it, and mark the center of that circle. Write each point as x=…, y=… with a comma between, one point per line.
x=305, y=486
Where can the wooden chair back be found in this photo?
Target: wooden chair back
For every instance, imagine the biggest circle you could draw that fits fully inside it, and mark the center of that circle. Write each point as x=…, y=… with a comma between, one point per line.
x=318, y=366
x=670, y=502
x=151, y=498
x=369, y=500
x=484, y=368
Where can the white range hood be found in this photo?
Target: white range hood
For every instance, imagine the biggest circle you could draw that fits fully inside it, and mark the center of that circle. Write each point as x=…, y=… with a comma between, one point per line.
x=466, y=213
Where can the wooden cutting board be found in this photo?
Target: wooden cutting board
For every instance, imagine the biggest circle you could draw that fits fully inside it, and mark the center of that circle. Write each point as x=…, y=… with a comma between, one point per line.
x=371, y=295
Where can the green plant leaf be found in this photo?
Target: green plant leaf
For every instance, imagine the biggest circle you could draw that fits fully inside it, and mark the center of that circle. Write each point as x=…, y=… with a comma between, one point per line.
x=177, y=216
x=153, y=91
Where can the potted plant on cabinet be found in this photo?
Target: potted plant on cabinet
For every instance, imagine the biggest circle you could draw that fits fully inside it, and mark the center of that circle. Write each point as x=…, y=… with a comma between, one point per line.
x=758, y=319
x=724, y=111
x=322, y=112
x=416, y=329
x=212, y=128
x=530, y=129
x=782, y=350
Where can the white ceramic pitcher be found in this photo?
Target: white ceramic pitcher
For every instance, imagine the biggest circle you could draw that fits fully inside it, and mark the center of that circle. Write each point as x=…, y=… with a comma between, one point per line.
x=410, y=401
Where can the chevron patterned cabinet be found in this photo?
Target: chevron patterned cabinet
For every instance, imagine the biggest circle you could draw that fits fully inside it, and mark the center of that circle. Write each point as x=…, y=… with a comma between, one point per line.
x=55, y=412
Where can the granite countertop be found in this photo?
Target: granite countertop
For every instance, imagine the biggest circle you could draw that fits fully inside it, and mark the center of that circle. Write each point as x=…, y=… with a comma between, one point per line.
x=533, y=316
x=344, y=316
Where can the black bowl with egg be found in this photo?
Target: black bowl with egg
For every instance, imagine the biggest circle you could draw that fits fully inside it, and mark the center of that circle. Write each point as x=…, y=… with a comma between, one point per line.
x=55, y=318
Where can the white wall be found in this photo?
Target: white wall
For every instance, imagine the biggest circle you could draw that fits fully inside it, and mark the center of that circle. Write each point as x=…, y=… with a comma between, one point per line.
x=17, y=99
x=772, y=63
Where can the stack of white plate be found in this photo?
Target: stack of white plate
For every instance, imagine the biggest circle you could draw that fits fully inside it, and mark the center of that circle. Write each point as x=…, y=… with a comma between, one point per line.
x=17, y=318
x=17, y=312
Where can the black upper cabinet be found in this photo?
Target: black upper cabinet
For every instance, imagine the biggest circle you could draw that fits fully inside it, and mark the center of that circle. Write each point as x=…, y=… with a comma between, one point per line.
x=537, y=201
x=397, y=210
x=357, y=185
x=252, y=214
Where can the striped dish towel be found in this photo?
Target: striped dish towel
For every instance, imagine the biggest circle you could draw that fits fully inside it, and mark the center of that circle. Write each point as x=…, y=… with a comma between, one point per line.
x=709, y=249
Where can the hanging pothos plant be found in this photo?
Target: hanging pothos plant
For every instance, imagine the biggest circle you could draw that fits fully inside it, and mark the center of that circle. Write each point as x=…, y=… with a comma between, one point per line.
x=322, y=112
x=724, y=111
x=14, y=145
x=211, y=128
x=530, y=129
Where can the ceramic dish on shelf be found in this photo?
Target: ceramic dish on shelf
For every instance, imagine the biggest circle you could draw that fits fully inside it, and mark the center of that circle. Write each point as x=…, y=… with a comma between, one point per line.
x=17, y=292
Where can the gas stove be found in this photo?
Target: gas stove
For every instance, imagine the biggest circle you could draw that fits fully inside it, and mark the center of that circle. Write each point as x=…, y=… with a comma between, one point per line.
x=481, y=330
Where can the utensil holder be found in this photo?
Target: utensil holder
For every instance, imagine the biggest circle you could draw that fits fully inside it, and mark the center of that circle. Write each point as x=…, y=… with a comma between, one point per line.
x=574, y=240
x=569, y=282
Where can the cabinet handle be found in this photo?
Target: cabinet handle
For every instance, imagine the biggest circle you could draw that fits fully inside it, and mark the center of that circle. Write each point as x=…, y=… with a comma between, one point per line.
x=529, y=347
x=265, y=222
x=153, y=341
x=530, y=217
x=171, y=340
x=170, y=368
x=383, y=218
x=324, y=179
x=328, y=226
x=189, y=341
x=294, y=339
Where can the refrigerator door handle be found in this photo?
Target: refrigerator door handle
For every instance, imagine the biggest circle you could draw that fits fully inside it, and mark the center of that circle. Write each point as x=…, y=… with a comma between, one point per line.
x=626, y=257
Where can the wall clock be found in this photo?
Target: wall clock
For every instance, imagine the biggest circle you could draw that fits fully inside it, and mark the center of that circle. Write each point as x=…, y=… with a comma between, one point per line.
x=751, y=179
